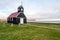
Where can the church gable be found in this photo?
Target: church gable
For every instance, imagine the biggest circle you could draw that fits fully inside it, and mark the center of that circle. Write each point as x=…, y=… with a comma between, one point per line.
x=21, y=15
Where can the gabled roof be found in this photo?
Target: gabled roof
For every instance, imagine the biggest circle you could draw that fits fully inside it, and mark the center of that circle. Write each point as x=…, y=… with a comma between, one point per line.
x=15, y=14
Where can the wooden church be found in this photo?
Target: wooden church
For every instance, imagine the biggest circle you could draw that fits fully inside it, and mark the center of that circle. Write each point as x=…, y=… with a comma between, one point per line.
x=17, y=17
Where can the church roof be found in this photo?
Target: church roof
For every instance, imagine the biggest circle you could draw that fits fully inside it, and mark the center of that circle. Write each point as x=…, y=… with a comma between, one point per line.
x=15, y=14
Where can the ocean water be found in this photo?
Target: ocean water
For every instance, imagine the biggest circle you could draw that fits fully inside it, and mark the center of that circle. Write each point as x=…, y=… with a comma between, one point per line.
x=57, y=22
x=48, y=21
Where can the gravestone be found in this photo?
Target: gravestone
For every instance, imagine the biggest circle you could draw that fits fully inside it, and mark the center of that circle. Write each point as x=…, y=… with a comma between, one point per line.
x=19, y=25
x=11, y=24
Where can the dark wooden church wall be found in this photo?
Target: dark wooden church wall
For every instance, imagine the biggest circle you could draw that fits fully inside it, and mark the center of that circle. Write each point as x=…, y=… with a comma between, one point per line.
x=25, y=20
x=16, y=20
x=9, y=20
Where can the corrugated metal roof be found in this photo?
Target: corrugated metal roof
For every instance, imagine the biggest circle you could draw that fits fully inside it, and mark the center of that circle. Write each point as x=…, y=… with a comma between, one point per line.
x=15, y=14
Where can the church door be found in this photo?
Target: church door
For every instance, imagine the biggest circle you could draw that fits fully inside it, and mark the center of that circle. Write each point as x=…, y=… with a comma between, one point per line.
x=21, y=20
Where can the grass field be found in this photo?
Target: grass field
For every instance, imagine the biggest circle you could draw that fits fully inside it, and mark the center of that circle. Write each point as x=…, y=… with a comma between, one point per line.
x=29, y=31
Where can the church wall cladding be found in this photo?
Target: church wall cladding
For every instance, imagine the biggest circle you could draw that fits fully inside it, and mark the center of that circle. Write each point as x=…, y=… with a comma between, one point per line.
x=15, y=17
x=23, y=16
x=15, y=20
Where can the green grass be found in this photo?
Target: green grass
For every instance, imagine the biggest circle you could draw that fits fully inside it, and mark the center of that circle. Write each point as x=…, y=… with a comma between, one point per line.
x=47, y=25
x=28, y=32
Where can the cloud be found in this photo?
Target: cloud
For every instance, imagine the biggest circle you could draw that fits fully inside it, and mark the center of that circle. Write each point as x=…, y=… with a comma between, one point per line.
x=33, y=9
x=48, y=11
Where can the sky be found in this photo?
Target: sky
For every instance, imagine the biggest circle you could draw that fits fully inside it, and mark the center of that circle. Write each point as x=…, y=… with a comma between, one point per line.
x=33, y=9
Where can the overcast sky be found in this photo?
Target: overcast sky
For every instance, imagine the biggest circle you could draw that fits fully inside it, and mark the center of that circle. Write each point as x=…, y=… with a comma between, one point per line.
x=42, y=9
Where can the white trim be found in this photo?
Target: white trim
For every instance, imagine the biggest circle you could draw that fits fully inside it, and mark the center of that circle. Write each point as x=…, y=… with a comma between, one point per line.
x=12, y=19
x=19, y=13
